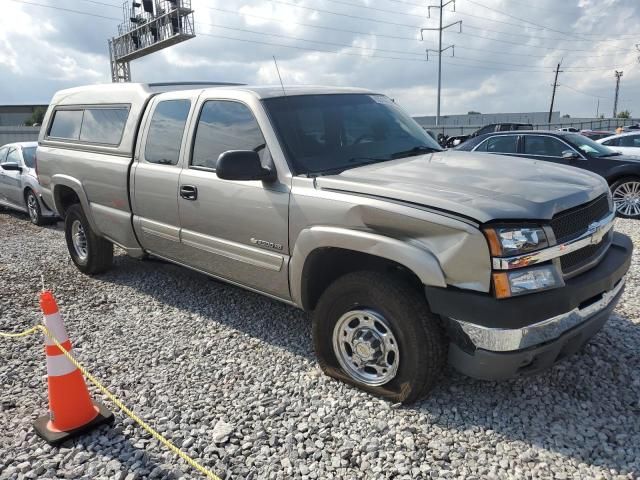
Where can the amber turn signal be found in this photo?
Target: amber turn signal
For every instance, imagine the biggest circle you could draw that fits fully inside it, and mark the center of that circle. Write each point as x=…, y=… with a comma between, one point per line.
x=501, y=285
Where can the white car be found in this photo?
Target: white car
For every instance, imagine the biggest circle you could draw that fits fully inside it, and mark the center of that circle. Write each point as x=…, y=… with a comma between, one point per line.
x=19, y=187
x=627, y=143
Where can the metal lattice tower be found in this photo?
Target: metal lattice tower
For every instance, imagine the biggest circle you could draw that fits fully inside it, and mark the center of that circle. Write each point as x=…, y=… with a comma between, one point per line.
x=148, y=26
x=440, y=50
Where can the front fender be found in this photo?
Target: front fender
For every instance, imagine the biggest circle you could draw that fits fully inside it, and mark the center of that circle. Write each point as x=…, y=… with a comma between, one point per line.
x=411, y=255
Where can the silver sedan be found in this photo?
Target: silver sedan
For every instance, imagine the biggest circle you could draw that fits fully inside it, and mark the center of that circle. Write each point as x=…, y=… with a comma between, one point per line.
x=19, y=187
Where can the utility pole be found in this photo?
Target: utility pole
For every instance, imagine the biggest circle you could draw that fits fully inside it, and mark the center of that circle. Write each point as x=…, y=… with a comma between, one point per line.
x=615, y=101
x=440, y=50
x=553, y=95
x=598, y=109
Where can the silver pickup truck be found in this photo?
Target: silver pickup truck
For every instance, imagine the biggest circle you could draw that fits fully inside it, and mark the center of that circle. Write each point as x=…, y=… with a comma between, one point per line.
x=337, y=202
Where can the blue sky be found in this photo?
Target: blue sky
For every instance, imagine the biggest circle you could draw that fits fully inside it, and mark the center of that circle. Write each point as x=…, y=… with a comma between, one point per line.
x=504, y=57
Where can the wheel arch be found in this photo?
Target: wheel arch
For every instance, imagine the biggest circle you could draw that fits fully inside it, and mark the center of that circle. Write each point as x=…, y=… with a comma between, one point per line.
x=68, y=191
x=322, y=254
x=621, y=173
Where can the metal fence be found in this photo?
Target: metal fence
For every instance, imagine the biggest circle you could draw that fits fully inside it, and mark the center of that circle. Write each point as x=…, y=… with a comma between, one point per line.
x=18, y=134
x=609, y=124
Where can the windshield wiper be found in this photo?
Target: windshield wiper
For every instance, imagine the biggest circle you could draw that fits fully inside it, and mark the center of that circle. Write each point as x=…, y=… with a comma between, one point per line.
x=612, y=154
x=418, y=150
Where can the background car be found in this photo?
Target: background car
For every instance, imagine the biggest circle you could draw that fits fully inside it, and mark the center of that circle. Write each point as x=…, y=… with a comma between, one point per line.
x=596, y=134
x=622, y=172
x=19, y=187
x=455, y=140
x=569, y=129
x=627, y=143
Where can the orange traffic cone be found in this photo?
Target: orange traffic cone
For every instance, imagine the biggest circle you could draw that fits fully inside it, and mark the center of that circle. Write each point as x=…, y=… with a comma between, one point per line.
x=71, y=410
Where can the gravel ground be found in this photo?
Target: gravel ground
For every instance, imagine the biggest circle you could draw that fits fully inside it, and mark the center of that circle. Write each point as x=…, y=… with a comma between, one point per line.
x=230, y=376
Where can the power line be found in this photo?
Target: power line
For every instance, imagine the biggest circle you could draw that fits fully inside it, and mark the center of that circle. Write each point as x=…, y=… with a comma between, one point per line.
x=53, y=7
x=502, y=32
x=397, y=37
x=532, y=46
x=289, y=37
x=583, y=92
x=335, y=29
x=473, y=2
x=357, y=17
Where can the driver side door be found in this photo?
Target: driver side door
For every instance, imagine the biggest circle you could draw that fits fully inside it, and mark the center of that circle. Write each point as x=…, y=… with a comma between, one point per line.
x=237, y=230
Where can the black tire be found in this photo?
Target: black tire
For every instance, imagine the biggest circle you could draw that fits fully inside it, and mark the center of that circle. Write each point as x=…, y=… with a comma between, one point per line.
x=632, y=184
x=421, y=343
x=33, y=208
x=99, y=252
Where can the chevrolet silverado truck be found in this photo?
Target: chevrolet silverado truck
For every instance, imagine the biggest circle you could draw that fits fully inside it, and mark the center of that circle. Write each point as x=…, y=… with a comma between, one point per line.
x=335, y=201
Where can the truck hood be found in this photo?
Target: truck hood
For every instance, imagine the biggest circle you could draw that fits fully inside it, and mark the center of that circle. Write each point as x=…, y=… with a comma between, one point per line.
x=478, y=186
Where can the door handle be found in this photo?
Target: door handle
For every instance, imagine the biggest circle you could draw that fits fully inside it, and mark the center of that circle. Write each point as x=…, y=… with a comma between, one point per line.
x=188, y=192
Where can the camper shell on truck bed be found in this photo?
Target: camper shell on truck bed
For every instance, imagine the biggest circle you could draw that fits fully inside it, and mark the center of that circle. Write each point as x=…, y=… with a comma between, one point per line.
x=338, y=202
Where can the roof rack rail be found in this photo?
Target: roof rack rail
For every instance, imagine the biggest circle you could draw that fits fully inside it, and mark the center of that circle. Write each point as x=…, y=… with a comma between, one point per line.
x=171, y=84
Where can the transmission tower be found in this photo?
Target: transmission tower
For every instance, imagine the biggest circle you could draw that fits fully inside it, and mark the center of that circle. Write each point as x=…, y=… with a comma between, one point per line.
x=440, y=50
x=148, y=26
x=615, y=101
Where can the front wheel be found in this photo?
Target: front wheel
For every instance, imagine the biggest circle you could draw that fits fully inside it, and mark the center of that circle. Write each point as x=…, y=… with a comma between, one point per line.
x=90, y=253
x=375, y=331
x=33, y=207
x=626, y=197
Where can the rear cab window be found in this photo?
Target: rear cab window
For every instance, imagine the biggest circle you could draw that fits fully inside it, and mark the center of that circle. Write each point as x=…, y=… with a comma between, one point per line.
x=101, y=125
x=66, y=124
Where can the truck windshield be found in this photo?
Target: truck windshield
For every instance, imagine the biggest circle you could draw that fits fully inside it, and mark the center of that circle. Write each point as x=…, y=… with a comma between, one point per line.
x=329, y=133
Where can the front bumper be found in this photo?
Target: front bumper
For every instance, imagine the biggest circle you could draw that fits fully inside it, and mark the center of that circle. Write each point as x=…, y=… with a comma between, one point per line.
x=497, y=339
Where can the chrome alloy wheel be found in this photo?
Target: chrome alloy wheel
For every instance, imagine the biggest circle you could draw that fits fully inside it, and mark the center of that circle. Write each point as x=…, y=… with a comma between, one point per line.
x=32, y=206
x=626, y=198
x=366, y=348
x=79, y=240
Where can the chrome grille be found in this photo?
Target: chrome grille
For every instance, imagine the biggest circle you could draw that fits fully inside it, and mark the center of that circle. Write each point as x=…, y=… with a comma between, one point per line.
x=574, y=222
x=574, y=261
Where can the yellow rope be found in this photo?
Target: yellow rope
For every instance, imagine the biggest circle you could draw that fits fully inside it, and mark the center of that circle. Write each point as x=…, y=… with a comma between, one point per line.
x=115, y=400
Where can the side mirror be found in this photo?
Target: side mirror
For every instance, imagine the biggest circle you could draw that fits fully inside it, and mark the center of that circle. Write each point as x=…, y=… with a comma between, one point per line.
x=570, y=155
x=243, y=165
x=11, y=167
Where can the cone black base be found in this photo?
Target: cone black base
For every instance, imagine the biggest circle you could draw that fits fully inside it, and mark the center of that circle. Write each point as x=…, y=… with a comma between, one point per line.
x=104, y=417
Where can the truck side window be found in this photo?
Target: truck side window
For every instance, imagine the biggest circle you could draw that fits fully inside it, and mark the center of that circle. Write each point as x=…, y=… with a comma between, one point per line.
x=103, y=125
x=224, y=125
x=165, y=132
x=66, y=124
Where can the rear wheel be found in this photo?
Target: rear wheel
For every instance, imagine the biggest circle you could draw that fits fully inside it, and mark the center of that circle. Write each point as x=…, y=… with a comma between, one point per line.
x=33, y=208
x=626, y=197
x=375, y=331
x=90, y=253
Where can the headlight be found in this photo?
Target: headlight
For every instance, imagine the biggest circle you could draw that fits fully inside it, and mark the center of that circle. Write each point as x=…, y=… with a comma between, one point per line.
x=507, y=241
x=528, y=280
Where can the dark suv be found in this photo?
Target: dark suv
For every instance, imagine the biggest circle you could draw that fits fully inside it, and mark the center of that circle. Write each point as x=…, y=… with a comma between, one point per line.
x=622, y=172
